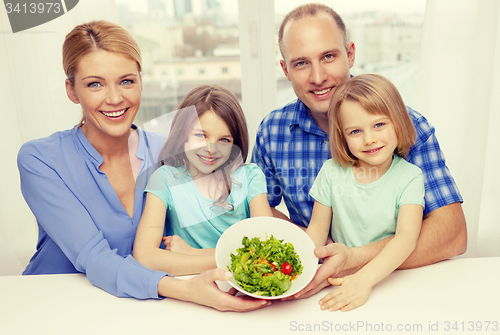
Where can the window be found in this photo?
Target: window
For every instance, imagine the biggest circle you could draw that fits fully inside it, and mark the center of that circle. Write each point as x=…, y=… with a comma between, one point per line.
x=183, y=43
x=198, y=40
x=387, y=37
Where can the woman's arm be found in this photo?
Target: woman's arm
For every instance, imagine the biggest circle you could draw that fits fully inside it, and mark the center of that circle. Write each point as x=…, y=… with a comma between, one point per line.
x=355, y=289
x=149, y=236
x=63, y=198
x=319, y=227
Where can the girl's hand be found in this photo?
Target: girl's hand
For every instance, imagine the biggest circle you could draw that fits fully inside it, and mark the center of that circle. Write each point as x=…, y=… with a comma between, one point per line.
x=353, y=292
x=204, y=291
x=177, y=244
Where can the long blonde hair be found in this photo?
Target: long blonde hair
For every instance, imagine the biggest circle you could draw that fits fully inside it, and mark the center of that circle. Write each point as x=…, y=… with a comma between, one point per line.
x=377, y=95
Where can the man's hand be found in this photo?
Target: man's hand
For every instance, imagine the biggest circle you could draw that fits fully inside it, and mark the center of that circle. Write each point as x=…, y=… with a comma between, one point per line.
x=336, y=256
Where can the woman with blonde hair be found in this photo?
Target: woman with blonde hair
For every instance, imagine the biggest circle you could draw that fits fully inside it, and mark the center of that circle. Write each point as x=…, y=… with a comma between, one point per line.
x=85, y=185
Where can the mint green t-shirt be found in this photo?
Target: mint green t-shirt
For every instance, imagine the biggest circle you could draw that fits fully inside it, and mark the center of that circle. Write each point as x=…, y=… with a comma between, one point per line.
x=192, y=216
x=364, y=213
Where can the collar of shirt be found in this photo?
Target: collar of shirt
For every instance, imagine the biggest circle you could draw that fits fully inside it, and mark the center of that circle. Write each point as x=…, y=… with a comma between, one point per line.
x=96, y=157
x=303, y=119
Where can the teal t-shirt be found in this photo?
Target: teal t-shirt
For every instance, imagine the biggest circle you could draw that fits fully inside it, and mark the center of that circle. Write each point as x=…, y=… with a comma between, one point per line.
x=192, y=216
x=364, y=213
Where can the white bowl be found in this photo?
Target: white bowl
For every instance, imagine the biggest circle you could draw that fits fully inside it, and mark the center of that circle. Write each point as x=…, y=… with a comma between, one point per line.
x=264, y=227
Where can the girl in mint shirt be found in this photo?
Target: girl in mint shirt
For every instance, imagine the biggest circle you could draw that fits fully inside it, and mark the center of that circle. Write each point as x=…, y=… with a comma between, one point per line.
x=367, y=191
x=202, y=186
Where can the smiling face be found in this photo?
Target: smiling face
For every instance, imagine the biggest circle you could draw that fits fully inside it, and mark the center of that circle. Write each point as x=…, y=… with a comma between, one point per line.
x=370, y=137
x=208, y=145
x=316, y=59
x=108, y=86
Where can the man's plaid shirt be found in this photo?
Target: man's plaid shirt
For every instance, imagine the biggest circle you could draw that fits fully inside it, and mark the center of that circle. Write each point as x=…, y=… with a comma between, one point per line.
x=291, y=148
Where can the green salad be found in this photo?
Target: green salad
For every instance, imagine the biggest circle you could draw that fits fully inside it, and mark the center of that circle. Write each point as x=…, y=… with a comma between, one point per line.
x=266, y=268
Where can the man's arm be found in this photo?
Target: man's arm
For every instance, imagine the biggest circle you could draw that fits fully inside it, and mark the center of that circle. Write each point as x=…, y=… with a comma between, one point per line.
x=443, y=235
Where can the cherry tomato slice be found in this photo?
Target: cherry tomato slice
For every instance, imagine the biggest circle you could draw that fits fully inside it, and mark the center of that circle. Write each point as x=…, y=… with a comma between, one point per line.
x=274, y=267
x=286, y=268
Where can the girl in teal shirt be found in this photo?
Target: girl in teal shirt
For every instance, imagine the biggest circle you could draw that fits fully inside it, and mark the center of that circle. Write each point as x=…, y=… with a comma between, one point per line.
x=202, y=187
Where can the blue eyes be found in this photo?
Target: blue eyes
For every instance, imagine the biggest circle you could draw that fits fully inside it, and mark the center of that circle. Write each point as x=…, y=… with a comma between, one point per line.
x=299, y=64
x=202, y=136
x=358, y=131
x=328, y=57
x=96, y=84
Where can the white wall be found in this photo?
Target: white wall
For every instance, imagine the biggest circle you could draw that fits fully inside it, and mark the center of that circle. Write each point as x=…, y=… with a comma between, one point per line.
x=33, y=104
x=458, y=92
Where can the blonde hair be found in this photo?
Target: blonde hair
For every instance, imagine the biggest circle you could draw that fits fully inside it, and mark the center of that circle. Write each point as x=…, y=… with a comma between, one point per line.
x=97, y=35
x=377, y=95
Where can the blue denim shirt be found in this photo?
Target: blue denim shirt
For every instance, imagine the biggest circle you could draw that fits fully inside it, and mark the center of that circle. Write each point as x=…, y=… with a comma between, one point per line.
x=83, y=227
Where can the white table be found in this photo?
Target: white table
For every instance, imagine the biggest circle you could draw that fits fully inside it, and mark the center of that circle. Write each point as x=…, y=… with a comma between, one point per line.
x=451, y=297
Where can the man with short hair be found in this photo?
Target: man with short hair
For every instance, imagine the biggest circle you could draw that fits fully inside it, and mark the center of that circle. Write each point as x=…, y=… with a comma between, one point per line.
x=292, y=145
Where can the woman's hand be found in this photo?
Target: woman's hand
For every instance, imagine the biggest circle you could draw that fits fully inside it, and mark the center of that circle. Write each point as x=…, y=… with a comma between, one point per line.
x=177, y=244
x=203, y=290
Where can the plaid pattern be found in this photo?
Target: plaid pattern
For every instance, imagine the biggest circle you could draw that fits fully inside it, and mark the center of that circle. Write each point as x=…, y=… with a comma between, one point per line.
x=291, y=148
